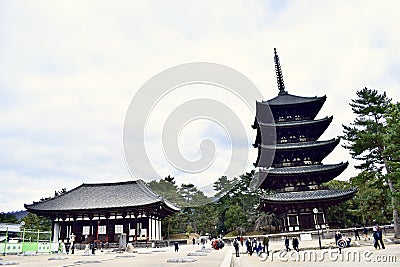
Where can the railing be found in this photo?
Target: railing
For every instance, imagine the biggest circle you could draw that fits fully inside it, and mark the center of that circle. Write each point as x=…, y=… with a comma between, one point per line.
x=28, y=241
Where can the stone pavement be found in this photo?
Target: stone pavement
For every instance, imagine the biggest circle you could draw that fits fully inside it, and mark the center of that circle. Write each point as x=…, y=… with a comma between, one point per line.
x=361, y=254
x=151, y=257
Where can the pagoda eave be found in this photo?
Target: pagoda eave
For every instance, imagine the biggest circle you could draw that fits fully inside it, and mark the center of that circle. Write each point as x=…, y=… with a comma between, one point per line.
x=316, y=151
x=296, y=123
x=302, y=145
x=277, y=177
x=308, y=198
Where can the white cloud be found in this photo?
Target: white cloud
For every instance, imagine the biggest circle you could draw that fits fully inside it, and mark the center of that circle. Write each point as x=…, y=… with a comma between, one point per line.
x=68, y=71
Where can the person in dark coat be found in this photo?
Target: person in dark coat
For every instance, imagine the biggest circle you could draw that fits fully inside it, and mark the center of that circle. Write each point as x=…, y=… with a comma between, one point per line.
x=380, y=237
x=254, y=244
x=93, y=246
x=356, y=234
x=287, y=243
x=365, y=232
x=236, y=246
x=375, y=235
x=176, y=245
x=338, y=236
x=265, y=244
x=249, y=247
x=102, y=245
x=295, y=244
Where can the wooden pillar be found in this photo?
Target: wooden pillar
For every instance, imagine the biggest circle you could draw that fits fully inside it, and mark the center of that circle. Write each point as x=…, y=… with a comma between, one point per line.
x=128, y=228
x=135, y=226
x=147, y=229
x=63, y=226
x=107, y=215
x=150, y=228
x=91, y=237
x=74, y=217
x=158, y=228
x=56, y=231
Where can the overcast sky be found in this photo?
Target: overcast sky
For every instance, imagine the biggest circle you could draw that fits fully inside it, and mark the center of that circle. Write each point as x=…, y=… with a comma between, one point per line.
x=69, y=70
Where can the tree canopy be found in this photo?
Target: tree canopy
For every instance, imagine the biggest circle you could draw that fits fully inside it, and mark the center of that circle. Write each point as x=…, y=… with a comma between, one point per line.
x=372, y=139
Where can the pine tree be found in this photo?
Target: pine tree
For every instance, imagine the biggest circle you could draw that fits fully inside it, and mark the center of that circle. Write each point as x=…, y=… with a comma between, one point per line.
x=367, y=138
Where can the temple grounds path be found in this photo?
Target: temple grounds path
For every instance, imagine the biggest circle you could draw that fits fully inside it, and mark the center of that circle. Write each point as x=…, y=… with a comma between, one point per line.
x=154, y=257
x=361, y=254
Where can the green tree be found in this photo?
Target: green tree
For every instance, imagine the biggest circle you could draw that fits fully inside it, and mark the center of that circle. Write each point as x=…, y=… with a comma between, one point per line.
x=223, y=185
x=187, y=191
x=367, y=139
x=192, y=201
x=8, y=218
x=167, y=189
x=170, y=179
x=242, y=195
x=392, y=152
x=189, y=229
x=345, y=214
x=33, y=221
x=234, y=217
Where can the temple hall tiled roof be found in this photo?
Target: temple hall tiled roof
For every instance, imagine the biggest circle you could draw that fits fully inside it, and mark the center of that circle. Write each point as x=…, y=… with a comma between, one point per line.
x=102, y=196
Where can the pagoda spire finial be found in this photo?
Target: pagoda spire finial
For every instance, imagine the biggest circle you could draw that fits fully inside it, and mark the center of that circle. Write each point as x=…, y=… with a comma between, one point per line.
x=279, y=76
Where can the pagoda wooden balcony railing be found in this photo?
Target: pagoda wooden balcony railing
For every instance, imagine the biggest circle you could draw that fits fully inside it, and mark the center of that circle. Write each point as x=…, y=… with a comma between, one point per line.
x=292, y=118
x=295, y=140
x=296, y=163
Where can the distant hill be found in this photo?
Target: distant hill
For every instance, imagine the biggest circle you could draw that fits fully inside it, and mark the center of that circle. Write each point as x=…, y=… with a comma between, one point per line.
x=18, y=214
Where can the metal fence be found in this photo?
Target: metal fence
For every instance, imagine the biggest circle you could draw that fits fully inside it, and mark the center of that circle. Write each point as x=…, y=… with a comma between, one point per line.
x=27, y=241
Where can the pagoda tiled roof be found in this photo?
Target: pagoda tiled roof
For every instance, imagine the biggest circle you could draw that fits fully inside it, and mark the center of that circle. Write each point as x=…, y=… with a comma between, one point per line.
x=296, y=123
x=302, y=145
x=289, y=99
x=312, y=195
x=306, y=169
x=275, y=178
x=103, y=196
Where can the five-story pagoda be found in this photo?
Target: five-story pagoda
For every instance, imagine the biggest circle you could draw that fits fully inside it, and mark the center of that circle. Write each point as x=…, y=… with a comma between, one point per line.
x=291, y=164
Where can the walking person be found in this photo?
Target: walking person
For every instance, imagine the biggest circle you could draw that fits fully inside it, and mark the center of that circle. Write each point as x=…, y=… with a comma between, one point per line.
x=249, y=247
x=194, y=241
x=236, y=246
x=356, y=234
x=72, y=240
x=93, y=246
x=375, y=235
x=254, y=244
x=287, y=244
x=380, y=237
x=176, y=245
x=365, y=232
x=295, y=244
x=265, y=244
x=338, y=236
